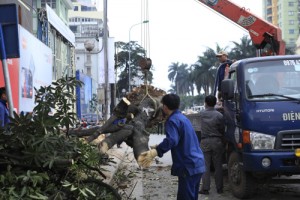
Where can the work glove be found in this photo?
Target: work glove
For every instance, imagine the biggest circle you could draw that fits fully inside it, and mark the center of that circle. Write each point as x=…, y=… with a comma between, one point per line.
x=153, y=146
x=146, y=158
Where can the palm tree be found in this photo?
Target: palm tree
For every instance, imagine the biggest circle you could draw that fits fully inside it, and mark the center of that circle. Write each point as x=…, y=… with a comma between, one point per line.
x=180, y=75
x=173, y=89
x=205, y=70
x=173, y=71
x=183, y=80
x=245, y=49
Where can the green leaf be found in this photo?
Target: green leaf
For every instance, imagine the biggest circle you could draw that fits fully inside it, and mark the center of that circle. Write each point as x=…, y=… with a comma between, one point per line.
x=83, y=192
x=73, y=188
x=23, y=192
x=91, y=192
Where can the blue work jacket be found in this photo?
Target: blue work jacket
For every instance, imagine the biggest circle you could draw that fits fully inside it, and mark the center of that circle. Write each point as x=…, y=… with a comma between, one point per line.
x=3, y=113
x=220, y=76
x=182, y=140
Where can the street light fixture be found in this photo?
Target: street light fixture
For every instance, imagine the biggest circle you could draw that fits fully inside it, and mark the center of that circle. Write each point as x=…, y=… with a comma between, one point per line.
x=129, y=52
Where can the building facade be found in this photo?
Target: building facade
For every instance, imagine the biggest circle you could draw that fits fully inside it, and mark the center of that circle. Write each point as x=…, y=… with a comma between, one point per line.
x=50, y=25
x=286, y=15
x=46, y=45
x=87, y=24
x=24, y=12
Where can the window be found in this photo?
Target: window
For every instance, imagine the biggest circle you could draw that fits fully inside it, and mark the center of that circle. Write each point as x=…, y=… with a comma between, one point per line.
x=74, y=29
x=282, y=80
x=291, y=4
x=51, y=3
x=85, y=8
x=75, y=8
x=291, y=31
x=292, y=40
x=291, y=22
x=291, y=13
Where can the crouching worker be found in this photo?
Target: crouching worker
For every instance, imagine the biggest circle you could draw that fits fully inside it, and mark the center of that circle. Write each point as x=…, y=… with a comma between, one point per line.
x=181, y=139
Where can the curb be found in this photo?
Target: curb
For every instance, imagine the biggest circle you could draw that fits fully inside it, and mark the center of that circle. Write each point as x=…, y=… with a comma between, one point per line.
x=117, y=155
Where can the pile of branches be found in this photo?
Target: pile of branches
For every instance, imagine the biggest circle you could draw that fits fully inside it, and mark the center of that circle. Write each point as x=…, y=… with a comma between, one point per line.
x=148, y=96
x=141, y=109
x=40, y=161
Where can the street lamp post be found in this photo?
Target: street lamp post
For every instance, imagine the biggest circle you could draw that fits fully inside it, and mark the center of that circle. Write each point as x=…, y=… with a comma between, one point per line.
x=129, y=52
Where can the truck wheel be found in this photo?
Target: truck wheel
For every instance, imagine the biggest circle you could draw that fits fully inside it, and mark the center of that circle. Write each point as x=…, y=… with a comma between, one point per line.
x=241, y=182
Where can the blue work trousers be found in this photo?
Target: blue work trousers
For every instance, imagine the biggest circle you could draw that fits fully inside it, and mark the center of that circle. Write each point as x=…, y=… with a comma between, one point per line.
x=188, y=187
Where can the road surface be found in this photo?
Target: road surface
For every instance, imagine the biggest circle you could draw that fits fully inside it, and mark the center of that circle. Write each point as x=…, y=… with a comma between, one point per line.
x=156, y=183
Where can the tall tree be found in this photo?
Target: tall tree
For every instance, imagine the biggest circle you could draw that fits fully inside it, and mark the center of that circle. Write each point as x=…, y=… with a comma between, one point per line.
x=205, y=70
x=122, y=64
x=173, y=71
x=180, y=75
x=244, y=49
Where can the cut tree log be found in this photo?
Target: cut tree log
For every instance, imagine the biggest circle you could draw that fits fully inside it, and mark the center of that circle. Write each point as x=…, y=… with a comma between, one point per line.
x=142, y=109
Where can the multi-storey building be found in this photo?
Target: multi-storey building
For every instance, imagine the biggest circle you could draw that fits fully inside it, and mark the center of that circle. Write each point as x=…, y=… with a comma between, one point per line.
x=52, y=28
x=25, y=12
x=39, y=62
x=284, y=14
x=48, y=21
x=86, y=22
x=87, y=25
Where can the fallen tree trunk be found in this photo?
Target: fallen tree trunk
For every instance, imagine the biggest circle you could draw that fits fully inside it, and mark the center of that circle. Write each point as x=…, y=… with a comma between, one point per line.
x=142, y=110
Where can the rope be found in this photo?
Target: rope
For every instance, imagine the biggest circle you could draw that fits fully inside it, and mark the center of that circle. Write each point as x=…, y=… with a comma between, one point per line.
x=154, y=101
x=145, y=28
x=146, y=44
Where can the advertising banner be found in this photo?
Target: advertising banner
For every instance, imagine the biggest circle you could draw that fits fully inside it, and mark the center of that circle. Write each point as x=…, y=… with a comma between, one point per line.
x=35, y=68
x=13, y=70
x=84, y=94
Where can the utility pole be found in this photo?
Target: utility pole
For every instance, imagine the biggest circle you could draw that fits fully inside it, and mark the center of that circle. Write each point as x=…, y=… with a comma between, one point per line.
x=105, y=47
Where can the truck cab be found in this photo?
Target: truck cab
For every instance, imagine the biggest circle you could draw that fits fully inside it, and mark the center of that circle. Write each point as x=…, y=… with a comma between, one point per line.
x=261, y=100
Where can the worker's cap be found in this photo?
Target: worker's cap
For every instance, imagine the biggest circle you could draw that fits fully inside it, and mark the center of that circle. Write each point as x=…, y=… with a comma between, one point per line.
x=221, y=53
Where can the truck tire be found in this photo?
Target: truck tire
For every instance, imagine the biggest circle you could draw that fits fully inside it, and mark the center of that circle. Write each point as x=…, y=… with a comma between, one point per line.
x=241, y=182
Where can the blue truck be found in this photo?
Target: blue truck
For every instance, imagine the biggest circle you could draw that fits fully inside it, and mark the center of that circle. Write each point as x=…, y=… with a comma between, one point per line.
x=261, y=105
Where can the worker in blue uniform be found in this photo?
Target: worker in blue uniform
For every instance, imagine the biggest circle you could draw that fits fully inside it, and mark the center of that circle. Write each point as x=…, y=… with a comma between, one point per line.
x=181, y=139
x=4, y=113
x=222, y=72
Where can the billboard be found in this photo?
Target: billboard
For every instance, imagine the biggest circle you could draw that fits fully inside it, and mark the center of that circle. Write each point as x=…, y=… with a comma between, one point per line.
x=32, y=70
x=35, y=68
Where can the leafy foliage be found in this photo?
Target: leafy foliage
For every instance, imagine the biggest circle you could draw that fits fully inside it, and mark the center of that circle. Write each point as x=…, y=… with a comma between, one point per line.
x=122, y=65
x=40, y=161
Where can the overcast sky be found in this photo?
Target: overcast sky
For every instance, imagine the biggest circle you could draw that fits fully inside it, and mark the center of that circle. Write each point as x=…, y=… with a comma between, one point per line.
x=178, y=31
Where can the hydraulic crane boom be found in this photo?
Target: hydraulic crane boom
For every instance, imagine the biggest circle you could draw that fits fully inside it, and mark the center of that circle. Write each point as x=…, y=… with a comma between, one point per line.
x=261, y=31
